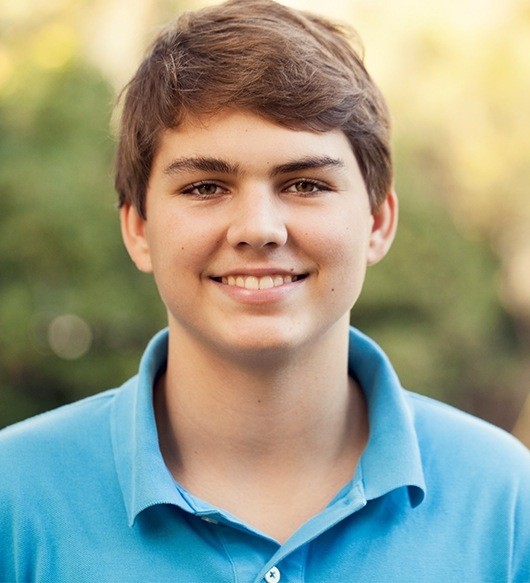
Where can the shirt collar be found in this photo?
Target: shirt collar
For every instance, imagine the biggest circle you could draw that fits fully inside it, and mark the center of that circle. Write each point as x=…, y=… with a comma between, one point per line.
x=391, y=459
x=144, y=478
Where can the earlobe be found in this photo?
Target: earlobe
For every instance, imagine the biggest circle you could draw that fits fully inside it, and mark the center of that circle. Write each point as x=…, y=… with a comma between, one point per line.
x=133, y=228
x=383, y=229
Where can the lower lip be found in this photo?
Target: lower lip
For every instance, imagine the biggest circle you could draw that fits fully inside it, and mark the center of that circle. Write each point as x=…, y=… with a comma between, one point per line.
x=258, y=296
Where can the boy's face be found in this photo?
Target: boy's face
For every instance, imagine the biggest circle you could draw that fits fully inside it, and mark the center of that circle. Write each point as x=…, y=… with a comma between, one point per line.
x=258, y=235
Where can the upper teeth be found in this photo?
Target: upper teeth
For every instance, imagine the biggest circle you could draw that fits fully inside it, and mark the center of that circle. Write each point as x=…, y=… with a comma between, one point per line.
x=253, y=282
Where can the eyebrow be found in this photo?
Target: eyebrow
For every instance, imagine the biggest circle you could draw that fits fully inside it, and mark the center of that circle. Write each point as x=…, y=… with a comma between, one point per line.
x=223, y=167
x=202, y=164
x=308, y=163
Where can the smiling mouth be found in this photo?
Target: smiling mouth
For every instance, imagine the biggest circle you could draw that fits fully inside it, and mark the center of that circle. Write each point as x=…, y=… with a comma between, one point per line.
x=257, y=283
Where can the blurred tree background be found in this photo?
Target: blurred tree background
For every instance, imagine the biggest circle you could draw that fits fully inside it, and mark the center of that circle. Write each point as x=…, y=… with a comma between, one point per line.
x=451, y=303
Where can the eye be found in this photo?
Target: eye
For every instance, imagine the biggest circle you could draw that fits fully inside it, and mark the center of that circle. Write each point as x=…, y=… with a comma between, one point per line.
x=306, y=186
x=204, y=189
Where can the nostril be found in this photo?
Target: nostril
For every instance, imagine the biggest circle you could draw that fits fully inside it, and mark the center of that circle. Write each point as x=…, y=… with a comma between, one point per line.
x=258, y=244
x=257, y=231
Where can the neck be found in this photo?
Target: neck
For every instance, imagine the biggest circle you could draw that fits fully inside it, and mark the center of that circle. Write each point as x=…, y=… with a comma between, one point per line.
x=240, y=402
x=302, y=417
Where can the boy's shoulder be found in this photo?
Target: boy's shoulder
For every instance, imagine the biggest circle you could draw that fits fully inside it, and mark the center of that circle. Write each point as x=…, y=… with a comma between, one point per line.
x=58, y=419
x=464, y=443
x=59, y=436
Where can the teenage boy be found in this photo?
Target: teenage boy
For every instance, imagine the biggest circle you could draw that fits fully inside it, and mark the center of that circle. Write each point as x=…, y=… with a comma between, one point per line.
x=262, y=440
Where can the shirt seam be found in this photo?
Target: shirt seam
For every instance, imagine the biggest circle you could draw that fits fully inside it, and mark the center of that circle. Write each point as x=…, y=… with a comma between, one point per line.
x=107, y=395
x=304, y=561
x=219, y=535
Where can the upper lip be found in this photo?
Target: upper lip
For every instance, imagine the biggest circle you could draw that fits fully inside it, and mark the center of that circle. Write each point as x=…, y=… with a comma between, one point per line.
x=258, y=272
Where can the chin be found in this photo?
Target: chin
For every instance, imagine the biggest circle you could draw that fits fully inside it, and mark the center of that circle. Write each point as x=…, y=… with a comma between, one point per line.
x=267, y=341
x=262, y=344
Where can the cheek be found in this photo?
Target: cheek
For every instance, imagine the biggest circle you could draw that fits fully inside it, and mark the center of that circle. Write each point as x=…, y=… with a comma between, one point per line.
x=344, y=244
x=342, y=256
x=179, y=242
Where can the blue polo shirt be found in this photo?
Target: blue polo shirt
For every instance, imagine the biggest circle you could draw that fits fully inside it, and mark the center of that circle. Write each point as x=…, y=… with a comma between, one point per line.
x=439, y=496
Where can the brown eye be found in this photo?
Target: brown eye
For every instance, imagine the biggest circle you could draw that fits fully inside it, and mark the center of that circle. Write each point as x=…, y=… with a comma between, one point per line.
x=206, y=189
x=307, y=186
x=304, y=186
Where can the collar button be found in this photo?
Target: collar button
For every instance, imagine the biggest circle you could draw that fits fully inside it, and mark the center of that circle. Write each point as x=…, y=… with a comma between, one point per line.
x=273, y=576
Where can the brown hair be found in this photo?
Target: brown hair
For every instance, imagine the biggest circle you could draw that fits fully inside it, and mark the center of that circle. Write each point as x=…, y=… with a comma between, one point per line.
x=289, y=66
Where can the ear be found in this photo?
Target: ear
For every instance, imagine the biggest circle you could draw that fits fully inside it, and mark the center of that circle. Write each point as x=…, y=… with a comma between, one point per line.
x=133, y=231
x=383, y=229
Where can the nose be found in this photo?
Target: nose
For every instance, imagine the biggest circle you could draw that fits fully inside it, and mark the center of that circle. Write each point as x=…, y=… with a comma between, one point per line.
x=257, y=220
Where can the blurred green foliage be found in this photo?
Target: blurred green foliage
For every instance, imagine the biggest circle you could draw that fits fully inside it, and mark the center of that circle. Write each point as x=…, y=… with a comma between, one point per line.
x=432, y=304
x=60, y=247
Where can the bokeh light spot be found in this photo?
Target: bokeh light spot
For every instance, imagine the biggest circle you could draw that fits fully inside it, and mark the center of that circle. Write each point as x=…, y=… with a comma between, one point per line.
x=70, y=337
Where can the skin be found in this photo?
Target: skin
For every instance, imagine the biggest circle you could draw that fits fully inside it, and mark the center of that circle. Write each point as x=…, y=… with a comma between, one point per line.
x=256, y=383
